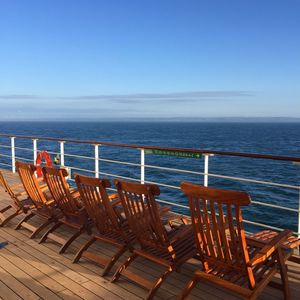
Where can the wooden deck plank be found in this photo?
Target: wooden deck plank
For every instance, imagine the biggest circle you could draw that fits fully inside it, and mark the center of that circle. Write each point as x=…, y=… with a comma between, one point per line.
x=17, y=286
x=33, y=247
x=12, y=254
x=68, y=295
x=65, y=282
x=7, y=293
x=61, y=273
x=30, y=282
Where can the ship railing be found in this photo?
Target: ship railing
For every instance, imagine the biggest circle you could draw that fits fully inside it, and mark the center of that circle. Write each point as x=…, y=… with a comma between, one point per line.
x=205, y=174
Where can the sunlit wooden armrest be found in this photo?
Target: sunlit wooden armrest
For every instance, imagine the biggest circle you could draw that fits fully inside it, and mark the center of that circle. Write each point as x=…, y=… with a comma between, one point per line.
x=116, y=202
x=44, y=187
x=113, y=196
x=269, y=248
x=75, y=194
x=50, y=202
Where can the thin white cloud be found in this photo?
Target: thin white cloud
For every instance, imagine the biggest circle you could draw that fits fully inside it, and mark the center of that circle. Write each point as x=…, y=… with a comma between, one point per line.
x=136, y=97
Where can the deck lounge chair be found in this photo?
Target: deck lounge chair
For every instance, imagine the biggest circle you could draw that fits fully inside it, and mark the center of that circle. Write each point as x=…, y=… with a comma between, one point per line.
x=111, y=227
x=18, y=205
x=74, y=214
x=228, y=259
x=169, y=249
x=43, y=203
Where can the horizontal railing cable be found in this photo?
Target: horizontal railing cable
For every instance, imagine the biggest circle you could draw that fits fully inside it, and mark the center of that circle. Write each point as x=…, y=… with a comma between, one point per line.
x=5, y=146
x=26, y=149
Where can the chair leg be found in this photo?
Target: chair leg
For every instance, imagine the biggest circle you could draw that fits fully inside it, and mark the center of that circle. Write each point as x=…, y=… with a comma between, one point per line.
x=69, y=241
x=189, y=287
x=123, y=267
x=84, y=248
x=40, y=228
x=113, y=260
x=51, y=229
x=158, y=283
x=283, y=274
x=25, y=219
x=8, y=218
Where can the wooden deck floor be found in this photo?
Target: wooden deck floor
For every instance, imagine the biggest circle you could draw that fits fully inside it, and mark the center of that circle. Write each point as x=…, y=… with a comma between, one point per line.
x=29, y=270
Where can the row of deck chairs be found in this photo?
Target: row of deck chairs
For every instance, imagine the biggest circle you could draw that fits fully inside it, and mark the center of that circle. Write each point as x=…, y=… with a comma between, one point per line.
x=132, y=220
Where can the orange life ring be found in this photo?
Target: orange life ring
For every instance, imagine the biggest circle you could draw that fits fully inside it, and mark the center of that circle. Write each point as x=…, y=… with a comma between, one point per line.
x=42, y=155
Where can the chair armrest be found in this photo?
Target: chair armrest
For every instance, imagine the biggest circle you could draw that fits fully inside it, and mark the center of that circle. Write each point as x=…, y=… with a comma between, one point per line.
x=75, y=194
x=269, y=248
x=50, y=202
x=113, y=196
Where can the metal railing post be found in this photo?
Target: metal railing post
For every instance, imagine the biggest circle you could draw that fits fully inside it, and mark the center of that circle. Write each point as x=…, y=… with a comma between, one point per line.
x=97, y=161
x=34, y=150
x=13, y=154
x=62, y=153
x=62, y=159
x=205, y=178
x=142, y=166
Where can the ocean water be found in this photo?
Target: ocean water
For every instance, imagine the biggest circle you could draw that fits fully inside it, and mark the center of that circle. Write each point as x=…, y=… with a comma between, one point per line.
x=264, y=138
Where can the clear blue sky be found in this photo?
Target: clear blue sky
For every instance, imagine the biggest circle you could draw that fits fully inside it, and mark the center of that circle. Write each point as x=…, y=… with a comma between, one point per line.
x=154, y=59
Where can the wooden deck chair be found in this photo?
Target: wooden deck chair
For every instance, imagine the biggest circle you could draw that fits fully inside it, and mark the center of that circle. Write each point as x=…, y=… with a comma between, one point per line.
x=228, y=261
x=43, y=204
x=167, y=249
x=111, y=228
x=74, y=213
x=18, y=205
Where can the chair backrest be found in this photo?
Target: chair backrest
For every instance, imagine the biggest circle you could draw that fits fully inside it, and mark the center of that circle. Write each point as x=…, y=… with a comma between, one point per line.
x=94, y=195
x=8, y=189
x=142, y=213
x=60, y=190
x=27, y=175
x=218, y=226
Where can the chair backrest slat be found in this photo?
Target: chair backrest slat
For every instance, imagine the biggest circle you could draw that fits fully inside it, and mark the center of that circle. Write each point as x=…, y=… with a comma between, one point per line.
x=60, y=190
x=218, y=226
x=93, y=192
x=27, y=175
x=142, y=212
x=224, y=237
x=216, y=232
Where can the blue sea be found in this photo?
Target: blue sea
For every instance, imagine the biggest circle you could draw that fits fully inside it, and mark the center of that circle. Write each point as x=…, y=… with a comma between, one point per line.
x=264, y=138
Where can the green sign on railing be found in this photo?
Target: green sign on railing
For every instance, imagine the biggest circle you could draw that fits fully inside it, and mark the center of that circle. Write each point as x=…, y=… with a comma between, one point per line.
x=184, y=154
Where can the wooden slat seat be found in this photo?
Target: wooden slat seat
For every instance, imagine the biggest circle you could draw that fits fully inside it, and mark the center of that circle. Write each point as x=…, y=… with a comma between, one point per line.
x=74, y=214
x=169, y=249
x=227, y=259
x=104, y=211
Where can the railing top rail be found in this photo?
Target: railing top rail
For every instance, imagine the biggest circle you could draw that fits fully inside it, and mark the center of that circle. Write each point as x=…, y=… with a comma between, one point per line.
x=203, y=151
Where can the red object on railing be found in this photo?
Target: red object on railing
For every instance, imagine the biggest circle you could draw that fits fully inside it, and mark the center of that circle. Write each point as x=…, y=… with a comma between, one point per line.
x=42, y=155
